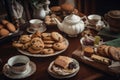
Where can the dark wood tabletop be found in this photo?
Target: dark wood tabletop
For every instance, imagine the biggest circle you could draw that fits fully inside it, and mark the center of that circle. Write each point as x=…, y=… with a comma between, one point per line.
x=85, y=73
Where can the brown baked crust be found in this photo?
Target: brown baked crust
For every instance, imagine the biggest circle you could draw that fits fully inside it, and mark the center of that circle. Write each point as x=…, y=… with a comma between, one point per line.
x=59, y=46
x=4, y=32
x=11, y=27
x=31, y=50
x=57, y=37
x=55, y=8
x=88, y=51
x=67, y=7
x=48, y=51
x=63, y=61
x=4, y=22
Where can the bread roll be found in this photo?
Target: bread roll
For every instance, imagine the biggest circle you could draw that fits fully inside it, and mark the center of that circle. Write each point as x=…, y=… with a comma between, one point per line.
x=4, y=22
x=11, y=27
x=4, y=32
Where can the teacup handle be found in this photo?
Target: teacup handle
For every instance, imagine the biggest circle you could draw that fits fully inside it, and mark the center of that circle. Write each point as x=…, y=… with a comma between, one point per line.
x=85, y=19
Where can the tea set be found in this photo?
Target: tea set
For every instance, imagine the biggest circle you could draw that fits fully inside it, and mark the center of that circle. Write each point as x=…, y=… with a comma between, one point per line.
x=20, y=66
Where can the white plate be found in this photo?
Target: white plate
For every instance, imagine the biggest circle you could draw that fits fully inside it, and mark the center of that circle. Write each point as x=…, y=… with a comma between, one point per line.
x=43, y=55
x=29, y=72
x=53, y=74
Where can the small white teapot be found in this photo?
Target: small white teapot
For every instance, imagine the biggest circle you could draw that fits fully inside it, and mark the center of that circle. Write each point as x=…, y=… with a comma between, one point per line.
x=71, y=25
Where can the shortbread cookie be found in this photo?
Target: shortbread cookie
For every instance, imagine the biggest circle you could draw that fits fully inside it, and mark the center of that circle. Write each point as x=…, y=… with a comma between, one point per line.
x=57, y=37
x=25, y=38
x=59, y=46
x=48, y=51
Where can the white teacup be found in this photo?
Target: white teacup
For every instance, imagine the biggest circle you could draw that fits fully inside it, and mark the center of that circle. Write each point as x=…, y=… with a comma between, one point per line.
x=94, y=18
x=35, y=24
x=18, y=64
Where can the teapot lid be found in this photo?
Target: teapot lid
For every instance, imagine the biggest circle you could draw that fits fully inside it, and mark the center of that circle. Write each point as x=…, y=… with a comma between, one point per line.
x=72, y=18
x=114, y=13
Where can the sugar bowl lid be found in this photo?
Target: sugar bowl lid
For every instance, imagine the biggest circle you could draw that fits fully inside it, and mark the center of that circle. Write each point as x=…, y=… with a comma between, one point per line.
x=72, y=18
x=114, y=13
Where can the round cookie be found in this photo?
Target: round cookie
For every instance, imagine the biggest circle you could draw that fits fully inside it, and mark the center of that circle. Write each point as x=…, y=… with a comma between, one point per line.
x=11, y=27
x=37, y=46
x=48, y=45
x=26, y=45
x=100, y=50
x=46, y=36
x=24, y=38
x=36, y=34
x=106, y=51
x=114, y=52
x=4, y=32
x=37, y=39
x=48, y=51
x=59, y=46
x=17, y=44
x=31, y=50
x=48, y=42
x=57, y=37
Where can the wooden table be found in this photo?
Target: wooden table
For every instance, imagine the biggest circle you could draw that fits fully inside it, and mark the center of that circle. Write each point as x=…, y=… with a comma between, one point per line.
x=85, y=73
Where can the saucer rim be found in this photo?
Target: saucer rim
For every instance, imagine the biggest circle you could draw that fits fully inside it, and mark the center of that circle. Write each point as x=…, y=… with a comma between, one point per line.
x=44, y=29
x=30, y=72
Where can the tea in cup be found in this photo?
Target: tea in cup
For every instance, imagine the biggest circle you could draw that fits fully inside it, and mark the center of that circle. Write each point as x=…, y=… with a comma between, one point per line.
x=93, y=19
x=18, y=64
x=35, y=24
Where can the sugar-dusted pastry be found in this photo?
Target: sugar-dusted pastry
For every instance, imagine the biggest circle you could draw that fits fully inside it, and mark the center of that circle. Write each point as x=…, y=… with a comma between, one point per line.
x=64, y=65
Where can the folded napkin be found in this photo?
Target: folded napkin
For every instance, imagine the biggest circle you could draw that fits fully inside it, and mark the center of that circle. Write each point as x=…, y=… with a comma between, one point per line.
x=106, y=32
x=115, y=42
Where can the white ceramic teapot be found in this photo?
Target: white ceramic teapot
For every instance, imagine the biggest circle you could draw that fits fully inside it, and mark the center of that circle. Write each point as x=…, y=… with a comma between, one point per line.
x=72, y=25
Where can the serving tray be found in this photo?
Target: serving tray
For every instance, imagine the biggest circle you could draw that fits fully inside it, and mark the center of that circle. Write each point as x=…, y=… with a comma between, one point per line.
x=115, y=71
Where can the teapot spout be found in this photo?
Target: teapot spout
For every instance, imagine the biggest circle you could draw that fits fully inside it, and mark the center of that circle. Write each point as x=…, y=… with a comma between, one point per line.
x=59, y=24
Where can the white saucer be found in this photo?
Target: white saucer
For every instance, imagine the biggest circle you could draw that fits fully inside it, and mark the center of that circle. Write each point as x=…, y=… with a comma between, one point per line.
x=29, y=72
x=41, y=29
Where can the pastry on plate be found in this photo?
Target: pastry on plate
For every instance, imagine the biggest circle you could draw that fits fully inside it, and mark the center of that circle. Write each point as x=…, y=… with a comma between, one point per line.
x=63, y=66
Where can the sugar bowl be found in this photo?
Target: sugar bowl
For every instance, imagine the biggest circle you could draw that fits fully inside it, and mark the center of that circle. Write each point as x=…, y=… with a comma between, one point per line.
x=113, y=19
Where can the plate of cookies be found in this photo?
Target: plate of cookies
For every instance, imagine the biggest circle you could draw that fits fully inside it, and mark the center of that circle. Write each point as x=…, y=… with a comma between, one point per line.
x=7, y=29
x=41, y=44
